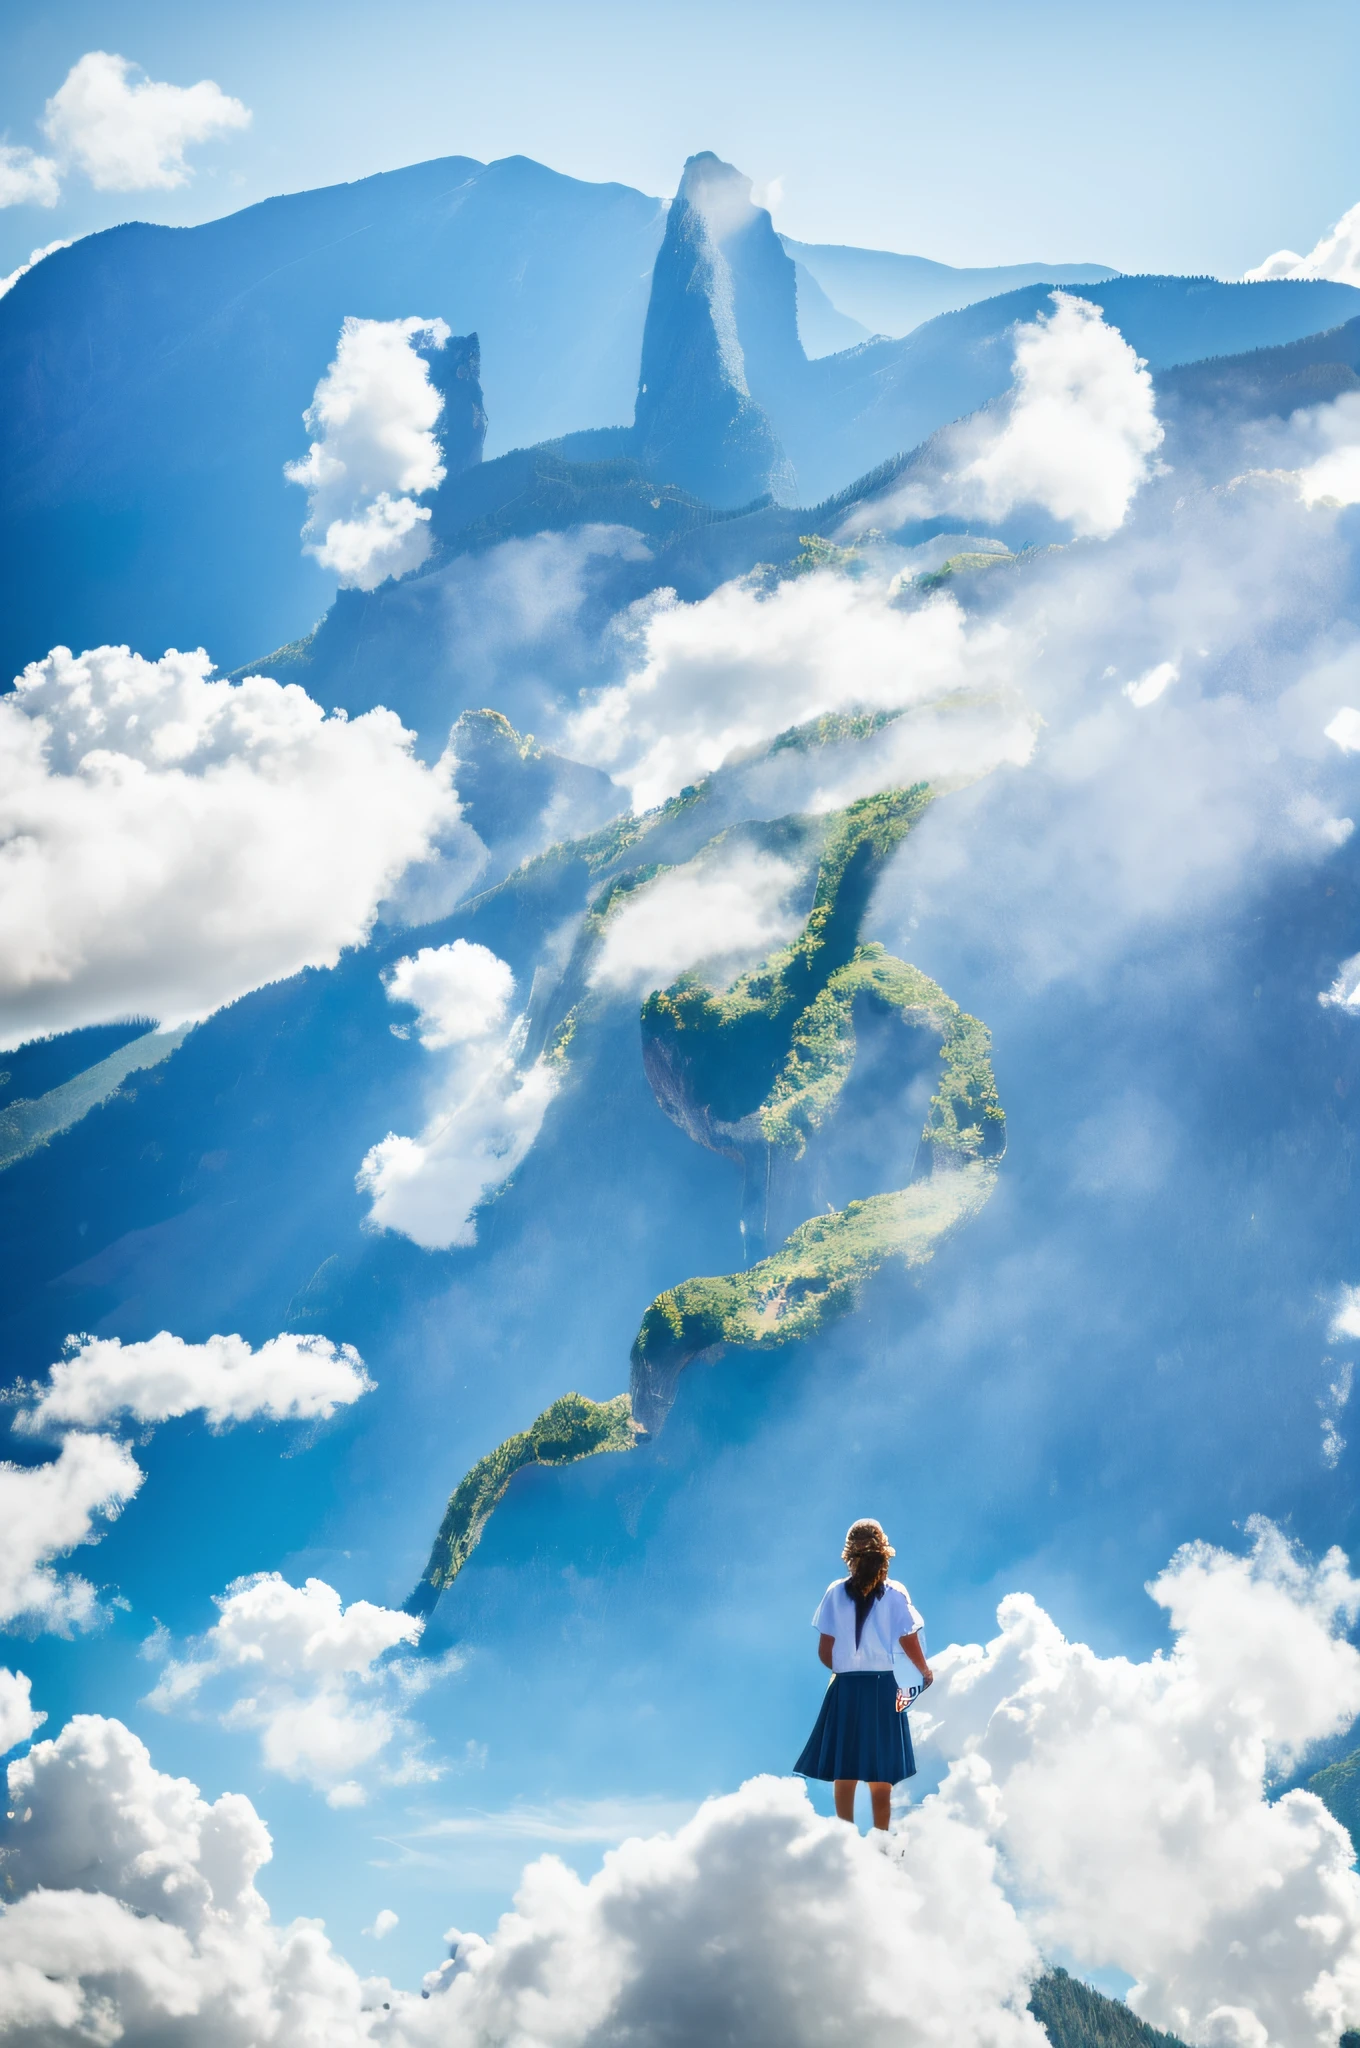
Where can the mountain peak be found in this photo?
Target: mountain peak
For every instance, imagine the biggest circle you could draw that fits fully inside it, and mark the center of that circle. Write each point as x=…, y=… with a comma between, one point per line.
x=721, y=340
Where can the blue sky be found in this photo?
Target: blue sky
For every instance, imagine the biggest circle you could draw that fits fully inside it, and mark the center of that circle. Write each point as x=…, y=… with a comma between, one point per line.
x=1167, y=137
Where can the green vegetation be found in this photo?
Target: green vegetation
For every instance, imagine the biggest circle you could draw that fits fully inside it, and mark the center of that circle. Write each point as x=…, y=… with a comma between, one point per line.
x=1338, y=1787
x=815, y=1276
x=959, y=565
x=763, y=1065
x=572, y=1428
x=729, y=1048
x=1075, y=2016
x=966, y=1120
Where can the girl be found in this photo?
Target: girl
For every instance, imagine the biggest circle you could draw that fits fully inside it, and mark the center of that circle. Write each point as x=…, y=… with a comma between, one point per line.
x=862, y=1729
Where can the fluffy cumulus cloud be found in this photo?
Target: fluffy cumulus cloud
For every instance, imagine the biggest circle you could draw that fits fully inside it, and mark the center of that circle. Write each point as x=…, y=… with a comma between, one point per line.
x=1081, y=430
x=1115, y=1809
x=168, y=842
x=101, y=1378
x=459, y=992
x=132, y=1914
x=725, y=675
x=757, y=1920
x=314, y=1678
x=46, y=1510
x=129, y=134
x=488, y=1107
x=18, y=1716
x=718, y=914
x=27, y=179
x=133, y=1909
x=374, y=452
x=1076, y=436
x=1336, y=255
x=1130, y=1800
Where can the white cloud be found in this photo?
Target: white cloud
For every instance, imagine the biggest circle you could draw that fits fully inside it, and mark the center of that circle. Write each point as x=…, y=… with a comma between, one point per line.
x=728, y=673
x=287, y=1378
x=1115, y=1809
x=311, y=1676
x=131, y=136
x=1134, y=829
x=45, y=1510
x=1129, y=1799
x=26, y=179
x=1345, y=1325
x=758, y=1920
x=374, y=452
x=488, y=1109
x=721, y=913
x=168, y=843
x=1330, y=434
x=461, y=991
x=383, y=1924
x=7, y=284
x=1077, y=435
x=1081, y=431
x=133, y=1910
x=1337, y=256
x=133, y=1914
x=1344, y=729
x=18, y=1717
x=1148, y=687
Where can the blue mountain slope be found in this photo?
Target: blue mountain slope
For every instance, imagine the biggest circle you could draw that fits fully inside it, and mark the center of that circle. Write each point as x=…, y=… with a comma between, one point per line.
x=886, y=396
x=152, y=382
x=887, y=293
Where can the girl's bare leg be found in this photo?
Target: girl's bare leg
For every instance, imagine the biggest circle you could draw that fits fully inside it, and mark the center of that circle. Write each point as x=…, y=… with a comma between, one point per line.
x=845, y=1799
x=881, y=1795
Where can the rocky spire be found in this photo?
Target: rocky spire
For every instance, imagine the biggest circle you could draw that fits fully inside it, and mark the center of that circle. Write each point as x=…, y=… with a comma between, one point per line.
x=720, y=349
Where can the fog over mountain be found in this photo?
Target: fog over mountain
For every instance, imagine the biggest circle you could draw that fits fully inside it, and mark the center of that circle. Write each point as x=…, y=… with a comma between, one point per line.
x=722, y=935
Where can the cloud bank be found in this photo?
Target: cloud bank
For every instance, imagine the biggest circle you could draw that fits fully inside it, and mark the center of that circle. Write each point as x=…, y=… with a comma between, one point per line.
x=311, y=1676
x=168, y=842
x=488, y=1109
x=373, y=453
x=729, y=673
x=1130, y=1800
x=100, y=1378
x=1115, y=1808
x=1336, y=255
x=46, y=1510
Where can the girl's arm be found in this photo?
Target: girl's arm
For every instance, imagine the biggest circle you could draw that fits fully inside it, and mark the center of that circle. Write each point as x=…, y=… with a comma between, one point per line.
x=825, y=1645
x=912, y=1646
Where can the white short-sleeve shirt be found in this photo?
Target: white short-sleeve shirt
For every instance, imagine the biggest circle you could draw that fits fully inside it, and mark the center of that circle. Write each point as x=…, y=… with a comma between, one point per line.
x=891, y=1616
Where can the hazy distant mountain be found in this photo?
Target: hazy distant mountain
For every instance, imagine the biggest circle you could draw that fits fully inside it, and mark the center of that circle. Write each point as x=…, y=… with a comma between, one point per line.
x=884, y=293
x=153, y=380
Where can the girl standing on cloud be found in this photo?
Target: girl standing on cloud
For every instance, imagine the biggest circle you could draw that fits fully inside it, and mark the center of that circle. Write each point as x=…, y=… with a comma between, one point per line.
x=862, y=1729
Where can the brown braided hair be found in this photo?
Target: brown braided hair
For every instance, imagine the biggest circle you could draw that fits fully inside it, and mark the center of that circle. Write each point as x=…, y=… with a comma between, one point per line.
x=867, y=1551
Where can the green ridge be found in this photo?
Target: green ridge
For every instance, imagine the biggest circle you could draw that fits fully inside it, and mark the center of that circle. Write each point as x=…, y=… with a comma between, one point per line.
x=763, y=1066
x=571, y=1428
x=730, y=1047
x=1073, y=2015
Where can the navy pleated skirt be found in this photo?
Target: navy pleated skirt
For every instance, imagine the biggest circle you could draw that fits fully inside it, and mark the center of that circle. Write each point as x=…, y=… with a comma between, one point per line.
x=859, y=1732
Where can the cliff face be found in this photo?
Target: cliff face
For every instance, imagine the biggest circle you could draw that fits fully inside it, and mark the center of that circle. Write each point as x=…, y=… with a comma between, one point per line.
x=719, y=345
